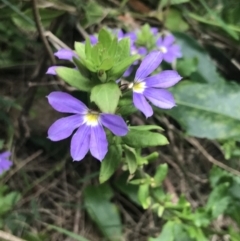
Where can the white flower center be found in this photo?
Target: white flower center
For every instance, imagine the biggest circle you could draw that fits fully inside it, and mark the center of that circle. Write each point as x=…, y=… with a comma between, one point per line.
x=133, y=51
x=163, y=49
x=91, y=118
x=138, y=87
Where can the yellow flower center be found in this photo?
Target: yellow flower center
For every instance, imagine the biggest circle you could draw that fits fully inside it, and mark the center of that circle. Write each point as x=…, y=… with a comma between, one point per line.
x=163, y=49
x=91, y=119
x=138, y=87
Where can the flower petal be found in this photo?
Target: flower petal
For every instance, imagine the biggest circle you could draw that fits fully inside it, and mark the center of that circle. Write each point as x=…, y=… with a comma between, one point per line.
x=168, y=40
x=142, y=51
x=114, y=123
x=5, y=154
x=160, y=98
x=176, y=49
x=148, y=65
x=64, y=127
x=5, y=165
x=80, y=142
x=132, y=36
x=65, y=54
x=93, y=39
x=159, y=42
x=52, y=70
x=173, y=53
x=141, y=104
x=66, y=103
x=154, y=30
x=128, y=71
x=120, y=34
x=165, y=79
x=98, y=142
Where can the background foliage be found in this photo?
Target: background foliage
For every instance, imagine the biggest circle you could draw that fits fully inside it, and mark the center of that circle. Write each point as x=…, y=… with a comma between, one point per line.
x=196, y=195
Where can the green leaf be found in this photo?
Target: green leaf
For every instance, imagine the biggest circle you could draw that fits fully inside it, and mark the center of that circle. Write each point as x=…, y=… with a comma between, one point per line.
x=88, y=49
x=167, y=233
x=89, y=64
x=143, y=195
x=102, y=211
x=7, y=201
x=123, y=50
x=131, y=159
x=206, y=68
x=145, y=37
x=164, y=3
x=110, y=163
x=196, y=233
x=125, y=106
x=161, y=173
x=208, y=110
x=146, y=128
x=219, y=200
x=107, y=64
x=106, y=96
x=24, y=21
x=141, y=139
x=93, y=13
x=67, y=233
x=175, y=22
x=105, y=38
x=80, y=49
x=95, y=55
x=74, y=78
x=187, y=66
x=120, y=67
x=113, y=48
x=131, y=191
x=81, y=67
x=214, y=16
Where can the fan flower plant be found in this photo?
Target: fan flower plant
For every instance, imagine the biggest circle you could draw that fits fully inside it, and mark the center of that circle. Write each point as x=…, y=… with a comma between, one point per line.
x=100, y=124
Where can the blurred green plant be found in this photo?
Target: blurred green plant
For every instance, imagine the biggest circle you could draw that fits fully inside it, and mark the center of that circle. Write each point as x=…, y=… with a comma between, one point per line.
x=207, y=107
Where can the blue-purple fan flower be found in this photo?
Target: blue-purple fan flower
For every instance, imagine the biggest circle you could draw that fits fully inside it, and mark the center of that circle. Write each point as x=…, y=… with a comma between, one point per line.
x=152, y=88
x=5, y=164
x=90, y=133
x=169, y=50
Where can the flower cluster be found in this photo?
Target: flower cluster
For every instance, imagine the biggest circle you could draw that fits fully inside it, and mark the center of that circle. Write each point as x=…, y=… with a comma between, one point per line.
x=89, y=126
x=5, y=164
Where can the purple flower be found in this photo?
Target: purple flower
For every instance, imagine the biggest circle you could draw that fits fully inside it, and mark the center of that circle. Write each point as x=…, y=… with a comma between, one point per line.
x=65, y=54
x=5, y=164
x=117, y=32
x=93, y=39
x=52, y=70
x=90, y=133
x=154, y=30
x=152, y=88
x=132, y=36
x=170, y=50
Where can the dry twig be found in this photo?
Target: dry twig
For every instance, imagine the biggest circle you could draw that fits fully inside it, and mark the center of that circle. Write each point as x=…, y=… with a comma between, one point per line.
x=9, y=237
x=211, y=159
x=41, y=32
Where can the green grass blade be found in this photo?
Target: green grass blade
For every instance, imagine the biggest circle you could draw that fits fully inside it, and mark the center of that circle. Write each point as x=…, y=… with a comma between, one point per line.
x=219, y=20
x=68, y=233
